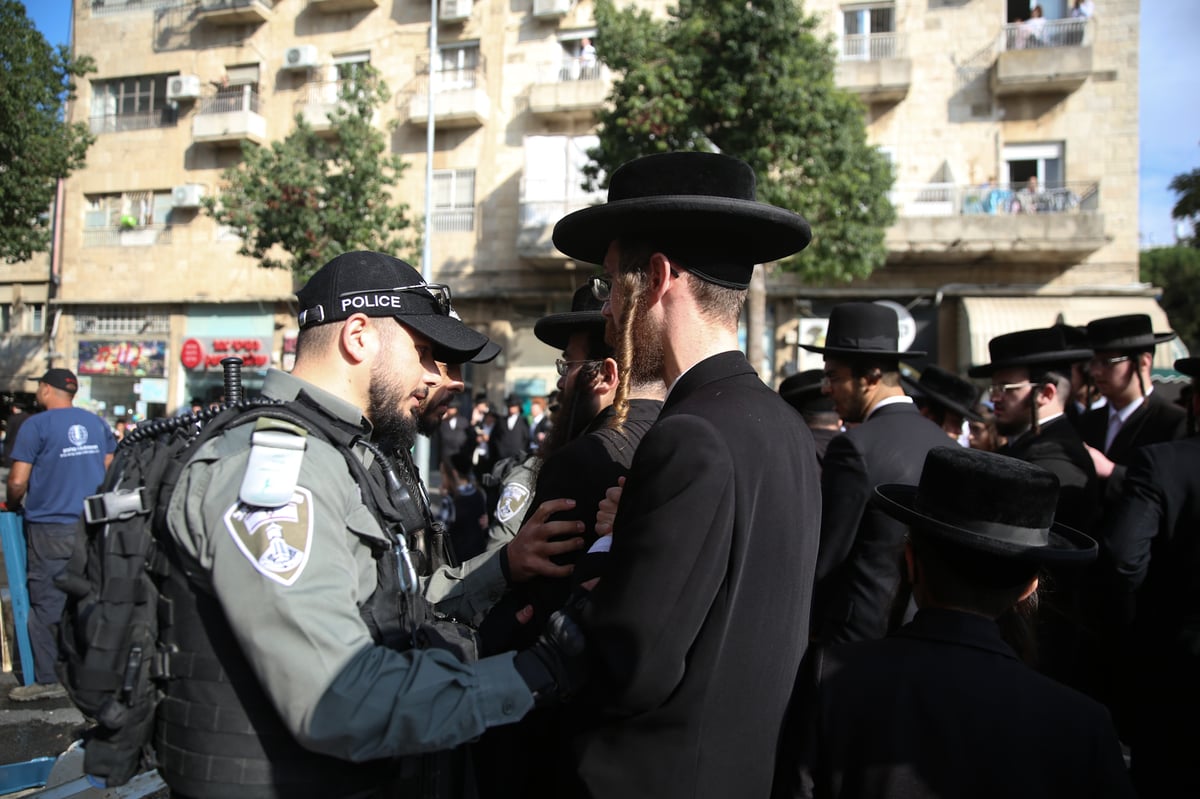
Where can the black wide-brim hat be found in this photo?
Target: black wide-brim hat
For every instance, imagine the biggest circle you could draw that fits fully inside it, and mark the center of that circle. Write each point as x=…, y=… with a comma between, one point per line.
x=556, y=329
x=1044, y=346
x=858, y=329
x=988, y=503
x=701, y=208
x=1189, y=366
x=1128, y=332
x=946, y=389
x=804, y=393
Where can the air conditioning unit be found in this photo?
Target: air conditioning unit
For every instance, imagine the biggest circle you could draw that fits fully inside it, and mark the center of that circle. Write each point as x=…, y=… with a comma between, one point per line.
x=301, y=57
x=183, y=87
x=187, y=196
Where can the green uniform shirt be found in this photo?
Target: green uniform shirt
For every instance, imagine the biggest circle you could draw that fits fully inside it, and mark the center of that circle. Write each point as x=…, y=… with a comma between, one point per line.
x=290, y=581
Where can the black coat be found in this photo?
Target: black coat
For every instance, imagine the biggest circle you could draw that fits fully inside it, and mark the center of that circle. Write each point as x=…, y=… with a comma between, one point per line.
x=1155, y=420
x=455, y=442
x=1152, y=537
x=1057, y=448
x=505, y=443
x=858, y=570
x=944, y=709
x=700, y=621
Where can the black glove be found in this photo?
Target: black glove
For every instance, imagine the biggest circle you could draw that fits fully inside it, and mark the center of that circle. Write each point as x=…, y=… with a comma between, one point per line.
x=555, y=667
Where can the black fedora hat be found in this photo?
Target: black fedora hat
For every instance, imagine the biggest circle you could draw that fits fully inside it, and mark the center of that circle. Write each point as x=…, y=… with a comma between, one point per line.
x=988, y=503
x=701, y=208
x=1043, y=346
x=863, y=329
x=947, y=389
x=803, y=392
x=556, y=329
x=1128, y=332
x=1189, y=366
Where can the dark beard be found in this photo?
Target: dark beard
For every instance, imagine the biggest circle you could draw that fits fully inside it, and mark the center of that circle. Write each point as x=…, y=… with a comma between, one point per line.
x=567, y=419
x=391, y=428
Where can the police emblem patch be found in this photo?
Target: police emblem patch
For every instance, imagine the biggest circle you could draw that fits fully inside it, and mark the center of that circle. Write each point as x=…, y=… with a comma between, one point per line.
x=276, y=541
x=512, y=501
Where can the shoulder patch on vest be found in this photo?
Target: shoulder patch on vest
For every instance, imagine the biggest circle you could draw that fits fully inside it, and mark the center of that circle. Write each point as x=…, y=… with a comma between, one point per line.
x=276, y=541
x=512, y=501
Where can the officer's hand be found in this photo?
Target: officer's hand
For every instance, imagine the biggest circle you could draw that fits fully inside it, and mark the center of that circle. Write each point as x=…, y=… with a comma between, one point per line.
x=608, y=508
x=555, y=667
x=530, y=551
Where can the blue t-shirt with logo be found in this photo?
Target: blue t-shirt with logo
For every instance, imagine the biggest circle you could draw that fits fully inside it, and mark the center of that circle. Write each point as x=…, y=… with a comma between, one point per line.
x=66, y=448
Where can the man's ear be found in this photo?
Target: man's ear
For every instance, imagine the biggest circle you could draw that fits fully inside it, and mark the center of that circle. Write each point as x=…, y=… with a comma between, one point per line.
x=359, y=340
x=607, y=377
x=658, y=277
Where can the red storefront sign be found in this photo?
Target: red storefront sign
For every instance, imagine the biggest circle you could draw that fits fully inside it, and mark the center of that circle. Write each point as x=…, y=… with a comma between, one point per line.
x=205, y=354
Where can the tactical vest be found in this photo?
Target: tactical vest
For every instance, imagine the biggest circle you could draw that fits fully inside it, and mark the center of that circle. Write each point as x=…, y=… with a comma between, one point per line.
x=217, y=734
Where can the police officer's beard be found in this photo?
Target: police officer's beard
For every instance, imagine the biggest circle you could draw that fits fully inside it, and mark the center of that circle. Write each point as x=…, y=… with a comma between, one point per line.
x=393, y=428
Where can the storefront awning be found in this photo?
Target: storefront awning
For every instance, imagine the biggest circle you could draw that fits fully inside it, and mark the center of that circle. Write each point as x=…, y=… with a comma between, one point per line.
x=983, y=318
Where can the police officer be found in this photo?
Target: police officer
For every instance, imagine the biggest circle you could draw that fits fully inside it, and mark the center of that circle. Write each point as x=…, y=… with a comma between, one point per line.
x=292, y=646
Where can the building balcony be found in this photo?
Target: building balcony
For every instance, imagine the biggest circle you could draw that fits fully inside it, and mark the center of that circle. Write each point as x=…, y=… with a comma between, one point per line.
x=230, y=117
x=459, y=99
x=947, y=223
x=551, y=9
x=317, y=102
x=451, y=11
x=569, y=88
x=538, y=217
x=165, y=117
x=1056, y=60
x=139, y=236
x=234, y=12
x=337, y=6
x=876, y=67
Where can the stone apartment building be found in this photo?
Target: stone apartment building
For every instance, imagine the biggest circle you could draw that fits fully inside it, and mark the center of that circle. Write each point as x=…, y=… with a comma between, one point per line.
x=145, y=293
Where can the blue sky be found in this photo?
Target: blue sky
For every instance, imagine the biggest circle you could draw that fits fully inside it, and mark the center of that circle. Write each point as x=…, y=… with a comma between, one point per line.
x=1170, y=115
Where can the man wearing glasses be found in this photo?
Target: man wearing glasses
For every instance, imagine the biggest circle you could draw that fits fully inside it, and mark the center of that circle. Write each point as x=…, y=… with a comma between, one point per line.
x=1135, y=415
x=700, y=619
x=299, y=661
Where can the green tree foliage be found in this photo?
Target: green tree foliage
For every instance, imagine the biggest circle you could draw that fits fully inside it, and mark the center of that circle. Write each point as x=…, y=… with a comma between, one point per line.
x=752, y=80
x=37, y=146
x=1177, y=271
x=301, y=201
x=1187, y=206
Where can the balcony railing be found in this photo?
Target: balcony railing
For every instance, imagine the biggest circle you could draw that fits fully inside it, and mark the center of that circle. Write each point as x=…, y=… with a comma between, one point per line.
x=452, y=220
x=231, y=100
x=1051, y=33
x=873, y=47
x=106, y=8
x=116, y=123
x=949, y=199
x=140, y=236
x=569, y=69
x=544, y=202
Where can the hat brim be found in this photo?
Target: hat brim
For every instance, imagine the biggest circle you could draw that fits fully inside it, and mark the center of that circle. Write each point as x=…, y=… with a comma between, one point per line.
x=766, y=233
x=556, y=329
x=1189, y=366
x=941, y=399
x=852, y=352
x=1035, y=359
x=488, y=353
x=453, y=342
x=1137, y=342
x=1065, y=544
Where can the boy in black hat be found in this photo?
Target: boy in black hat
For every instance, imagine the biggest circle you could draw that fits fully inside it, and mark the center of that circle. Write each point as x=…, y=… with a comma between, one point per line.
x=1135, y=415
x=944, y=707
x=717, y=528
x=803, y=392
x=945, y=399
x=1152, y=536
x=859, y=582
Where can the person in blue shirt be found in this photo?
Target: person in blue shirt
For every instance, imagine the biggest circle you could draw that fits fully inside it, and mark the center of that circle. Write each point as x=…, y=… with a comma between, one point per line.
x=58, y=459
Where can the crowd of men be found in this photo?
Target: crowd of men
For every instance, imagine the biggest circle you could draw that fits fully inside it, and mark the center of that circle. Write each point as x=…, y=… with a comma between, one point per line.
x=689, y=585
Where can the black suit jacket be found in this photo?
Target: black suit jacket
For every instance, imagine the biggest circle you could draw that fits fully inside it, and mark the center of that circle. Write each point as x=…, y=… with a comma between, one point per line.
x=943, y=709
x=1057, y=448
x=505, y=443
x=1152, y=538
x=700, y=621
x=1154, y=421
x=858, y=569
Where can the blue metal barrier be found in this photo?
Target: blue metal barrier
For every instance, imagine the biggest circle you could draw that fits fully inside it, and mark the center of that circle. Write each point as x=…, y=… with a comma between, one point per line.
x=12, y=533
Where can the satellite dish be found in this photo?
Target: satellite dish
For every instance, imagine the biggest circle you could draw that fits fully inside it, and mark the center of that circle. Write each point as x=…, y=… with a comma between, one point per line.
x=908, y=325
